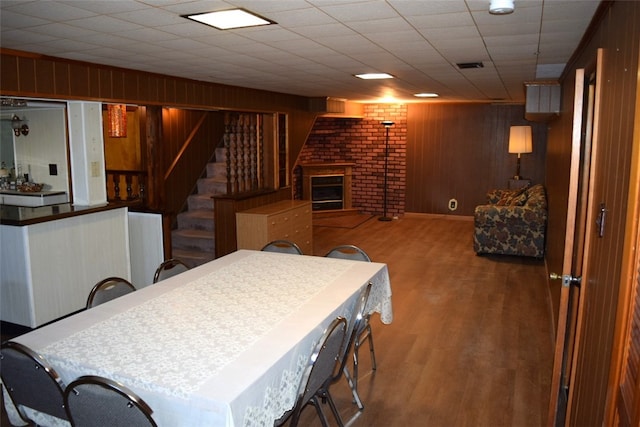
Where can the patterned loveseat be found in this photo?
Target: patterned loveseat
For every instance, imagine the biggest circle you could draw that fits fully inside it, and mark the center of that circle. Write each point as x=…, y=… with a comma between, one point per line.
x=512, y=223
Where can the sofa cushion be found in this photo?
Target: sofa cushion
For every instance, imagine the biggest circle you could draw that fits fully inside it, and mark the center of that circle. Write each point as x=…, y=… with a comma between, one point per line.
x=513, y=197
x=520, y=199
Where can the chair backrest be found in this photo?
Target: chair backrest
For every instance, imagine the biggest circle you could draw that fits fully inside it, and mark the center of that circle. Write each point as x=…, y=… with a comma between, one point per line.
x=31, y=381
x=108, y=289
x=322, y=364
x=359, y=319
x=282, y=246
x=169, y=268
x=348, y=252
x=96, y=401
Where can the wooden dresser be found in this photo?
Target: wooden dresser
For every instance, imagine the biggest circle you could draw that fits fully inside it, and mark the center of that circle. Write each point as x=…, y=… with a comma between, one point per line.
x=288, y=219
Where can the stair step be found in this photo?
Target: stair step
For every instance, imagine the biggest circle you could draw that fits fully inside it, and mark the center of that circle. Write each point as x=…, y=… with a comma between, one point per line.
x=221, y=155
x=193, y=258
x=217, y=170
x=198, y=219
x=189, y=239
x=200, y=201
x=194, y=239
x=211, y=186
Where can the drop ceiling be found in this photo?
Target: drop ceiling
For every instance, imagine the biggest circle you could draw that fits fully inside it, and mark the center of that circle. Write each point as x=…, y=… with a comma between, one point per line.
x=316, y=46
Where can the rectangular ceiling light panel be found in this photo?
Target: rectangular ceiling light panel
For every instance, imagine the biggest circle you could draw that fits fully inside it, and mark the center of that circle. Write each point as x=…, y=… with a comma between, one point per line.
x=374, y=76
x=230, y=19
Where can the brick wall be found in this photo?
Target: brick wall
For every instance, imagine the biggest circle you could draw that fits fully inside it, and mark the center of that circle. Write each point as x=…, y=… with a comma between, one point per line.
x=362, y=141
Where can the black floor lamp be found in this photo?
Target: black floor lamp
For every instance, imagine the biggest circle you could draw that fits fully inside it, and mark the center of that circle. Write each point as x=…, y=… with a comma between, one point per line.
x=387, y=124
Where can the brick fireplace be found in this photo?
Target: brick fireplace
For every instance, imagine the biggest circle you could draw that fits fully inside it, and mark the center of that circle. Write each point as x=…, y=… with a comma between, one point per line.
x=361, y=142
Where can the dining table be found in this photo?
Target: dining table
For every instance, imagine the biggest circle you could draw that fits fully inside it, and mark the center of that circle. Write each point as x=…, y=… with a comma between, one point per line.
x=222, y=344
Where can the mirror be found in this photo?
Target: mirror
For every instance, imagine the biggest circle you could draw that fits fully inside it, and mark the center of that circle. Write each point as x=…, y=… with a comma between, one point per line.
x=40, y=155
x=7, y=154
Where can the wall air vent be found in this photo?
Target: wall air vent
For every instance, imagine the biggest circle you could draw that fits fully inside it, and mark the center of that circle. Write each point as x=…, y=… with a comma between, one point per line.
x=326, y=105
x=336, y=107
x=467, y=65
x=542, y=100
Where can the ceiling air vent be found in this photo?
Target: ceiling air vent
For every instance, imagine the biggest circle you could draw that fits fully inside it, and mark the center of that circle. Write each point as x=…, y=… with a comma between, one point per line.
x=467, y=65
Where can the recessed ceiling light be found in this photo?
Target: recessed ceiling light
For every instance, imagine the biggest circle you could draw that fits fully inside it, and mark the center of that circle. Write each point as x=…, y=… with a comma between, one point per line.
x=230, y=19
x=374, y=76
x=426, y=95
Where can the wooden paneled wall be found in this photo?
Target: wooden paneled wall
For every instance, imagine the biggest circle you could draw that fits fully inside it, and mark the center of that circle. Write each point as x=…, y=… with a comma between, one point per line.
x=27, y=74
x=33, y=75
x=460, y=151
x=617, y=32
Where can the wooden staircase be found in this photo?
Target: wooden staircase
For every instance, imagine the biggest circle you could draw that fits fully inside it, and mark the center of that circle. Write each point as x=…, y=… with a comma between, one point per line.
x=193, y=241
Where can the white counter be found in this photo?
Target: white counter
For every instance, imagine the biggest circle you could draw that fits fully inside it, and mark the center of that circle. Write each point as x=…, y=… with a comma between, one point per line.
x=39, y=198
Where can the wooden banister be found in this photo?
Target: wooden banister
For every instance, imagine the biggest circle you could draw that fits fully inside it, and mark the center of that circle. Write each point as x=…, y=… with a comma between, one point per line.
x=135, y=184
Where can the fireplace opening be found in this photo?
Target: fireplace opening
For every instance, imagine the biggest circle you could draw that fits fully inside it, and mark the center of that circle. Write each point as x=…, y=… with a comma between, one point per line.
x=327, y=186
x=327, y=192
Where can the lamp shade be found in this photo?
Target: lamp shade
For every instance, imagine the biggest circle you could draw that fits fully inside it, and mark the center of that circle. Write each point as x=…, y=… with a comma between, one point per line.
x=520, y=139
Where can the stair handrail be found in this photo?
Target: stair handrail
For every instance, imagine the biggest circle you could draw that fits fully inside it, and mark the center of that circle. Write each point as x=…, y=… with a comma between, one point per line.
x=184, y=147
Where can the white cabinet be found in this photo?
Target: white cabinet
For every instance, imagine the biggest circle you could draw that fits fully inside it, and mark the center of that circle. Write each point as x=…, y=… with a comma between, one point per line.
x=47, y=269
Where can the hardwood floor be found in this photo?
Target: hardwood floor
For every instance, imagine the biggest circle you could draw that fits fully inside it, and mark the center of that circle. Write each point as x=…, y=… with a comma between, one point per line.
x=471, y=339
x=470, y=343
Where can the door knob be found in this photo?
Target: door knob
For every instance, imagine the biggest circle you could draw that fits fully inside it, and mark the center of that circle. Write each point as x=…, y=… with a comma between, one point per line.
x=567, y=279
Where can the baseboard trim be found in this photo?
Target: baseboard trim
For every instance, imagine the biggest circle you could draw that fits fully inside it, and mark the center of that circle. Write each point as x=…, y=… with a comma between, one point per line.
x=438, y=216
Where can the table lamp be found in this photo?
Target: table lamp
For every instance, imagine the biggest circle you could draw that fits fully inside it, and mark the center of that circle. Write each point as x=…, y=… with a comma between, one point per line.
x=520, y=142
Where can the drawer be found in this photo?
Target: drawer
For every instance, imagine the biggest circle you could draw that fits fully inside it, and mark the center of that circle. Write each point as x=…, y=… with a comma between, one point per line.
x=284, y=220
x=279, y=227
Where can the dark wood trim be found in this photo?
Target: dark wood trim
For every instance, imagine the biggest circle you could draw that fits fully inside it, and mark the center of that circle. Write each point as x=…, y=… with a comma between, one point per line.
x=21, y=216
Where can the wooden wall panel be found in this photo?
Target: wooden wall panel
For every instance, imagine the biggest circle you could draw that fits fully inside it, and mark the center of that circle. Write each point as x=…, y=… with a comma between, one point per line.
x=62, y=77
x=461, y=150
x=104, y=78
x=94, y=83
x=79, y=83
x=130, y=85
x=27, y=75
x=45, y=76
x=8, y=71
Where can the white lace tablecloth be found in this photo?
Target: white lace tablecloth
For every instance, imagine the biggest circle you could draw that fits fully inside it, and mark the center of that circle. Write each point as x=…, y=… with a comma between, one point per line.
x=223, y=344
